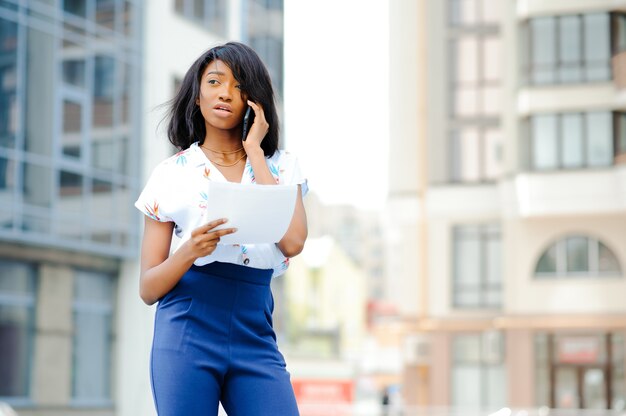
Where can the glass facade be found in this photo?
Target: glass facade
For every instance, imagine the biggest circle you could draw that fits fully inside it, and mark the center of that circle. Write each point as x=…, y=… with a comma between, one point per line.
x=69, y=91
x=17, y=328
x=477, y=266
x=211, y=14
x=263, y=31
x=93, y=316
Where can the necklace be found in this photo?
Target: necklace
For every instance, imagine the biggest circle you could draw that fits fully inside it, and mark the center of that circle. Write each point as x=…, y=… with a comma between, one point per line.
x=224, y=153
x=228, y=165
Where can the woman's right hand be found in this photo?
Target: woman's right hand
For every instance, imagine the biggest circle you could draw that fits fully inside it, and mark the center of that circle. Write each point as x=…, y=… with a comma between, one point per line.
x=204, y=239
x=160, y=271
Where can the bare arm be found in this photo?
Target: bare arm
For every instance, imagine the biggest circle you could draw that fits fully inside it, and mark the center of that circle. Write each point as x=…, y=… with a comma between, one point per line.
x=292, y=242
x=160, y=272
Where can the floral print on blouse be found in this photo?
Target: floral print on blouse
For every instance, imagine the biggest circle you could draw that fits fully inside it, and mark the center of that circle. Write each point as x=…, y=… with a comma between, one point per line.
x=176, y=192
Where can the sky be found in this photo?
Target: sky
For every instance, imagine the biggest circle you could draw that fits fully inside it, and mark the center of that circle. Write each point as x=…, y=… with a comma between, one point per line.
x=336, y=97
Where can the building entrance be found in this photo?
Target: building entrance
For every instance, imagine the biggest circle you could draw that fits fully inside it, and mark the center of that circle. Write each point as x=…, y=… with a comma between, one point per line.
x=581, y=387
x=580, y=371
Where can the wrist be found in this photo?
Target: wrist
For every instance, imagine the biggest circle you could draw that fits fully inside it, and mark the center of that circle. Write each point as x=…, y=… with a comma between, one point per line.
x=255, y=152
x=186, y=253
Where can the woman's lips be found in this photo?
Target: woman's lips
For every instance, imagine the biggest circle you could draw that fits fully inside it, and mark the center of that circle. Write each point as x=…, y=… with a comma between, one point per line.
x=222, y=111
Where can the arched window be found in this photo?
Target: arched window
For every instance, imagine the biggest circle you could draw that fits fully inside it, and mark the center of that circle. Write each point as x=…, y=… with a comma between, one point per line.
x=578, y=256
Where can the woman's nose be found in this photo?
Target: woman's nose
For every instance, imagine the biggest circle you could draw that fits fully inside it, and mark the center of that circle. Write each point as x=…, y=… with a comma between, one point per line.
x=225, y=93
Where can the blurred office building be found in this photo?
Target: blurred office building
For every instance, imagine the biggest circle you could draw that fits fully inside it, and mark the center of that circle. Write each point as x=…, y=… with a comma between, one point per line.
x=358, y=233
x=320, y=320
x=80, y=86
x=507, y=205
x=69, y=128
x=321, y=312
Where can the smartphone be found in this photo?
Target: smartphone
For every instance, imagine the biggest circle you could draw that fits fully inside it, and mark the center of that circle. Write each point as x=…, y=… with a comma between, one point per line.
x=248, y=119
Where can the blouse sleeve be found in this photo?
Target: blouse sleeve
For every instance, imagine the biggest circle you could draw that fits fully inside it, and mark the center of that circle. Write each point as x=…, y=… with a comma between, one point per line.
x=151, y=199
x=292, y=175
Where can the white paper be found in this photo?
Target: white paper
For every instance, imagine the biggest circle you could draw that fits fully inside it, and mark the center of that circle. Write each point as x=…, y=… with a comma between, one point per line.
x=261, y=213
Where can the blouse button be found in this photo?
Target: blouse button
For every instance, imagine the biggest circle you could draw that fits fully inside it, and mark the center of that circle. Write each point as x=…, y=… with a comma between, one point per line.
x=246, y=261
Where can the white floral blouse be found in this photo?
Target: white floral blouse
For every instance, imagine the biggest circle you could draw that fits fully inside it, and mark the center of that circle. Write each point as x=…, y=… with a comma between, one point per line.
x=175, y=193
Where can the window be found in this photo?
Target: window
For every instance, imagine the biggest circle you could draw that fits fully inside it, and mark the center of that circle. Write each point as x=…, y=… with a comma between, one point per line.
x=76, y=7
x=571, y=140
x=572, y=48
x=17, y=305
x=104, y=91
x=72, y=128
x=475, y=54
x=477, y=269
x=475, y=154
x=105, y=13
x=212, y=14
x=8, y=83
x=262, y=25
x=618, y=39
x=478, y=372
x=270, y=49
x=620, y=136
x=92, y=344
x=618, y=387
x=577, y=255
x=472, y=12
x=6, y=181
x=475, y=75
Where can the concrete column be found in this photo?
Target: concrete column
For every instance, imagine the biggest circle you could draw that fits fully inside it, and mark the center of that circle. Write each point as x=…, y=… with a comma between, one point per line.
x=440, y=370
x=134, y=323
x=520, y=365
x=52, y=375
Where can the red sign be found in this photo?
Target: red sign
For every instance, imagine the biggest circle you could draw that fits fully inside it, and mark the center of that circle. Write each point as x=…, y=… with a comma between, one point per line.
x=578, y=350
x=323, y=397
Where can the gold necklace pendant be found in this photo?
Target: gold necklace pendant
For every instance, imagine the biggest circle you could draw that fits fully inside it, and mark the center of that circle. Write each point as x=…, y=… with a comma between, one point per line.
x=228, y=165
x=230, y=152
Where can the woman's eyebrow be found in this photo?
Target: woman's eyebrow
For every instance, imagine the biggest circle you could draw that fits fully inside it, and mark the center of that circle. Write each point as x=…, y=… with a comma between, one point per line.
x=215, y=73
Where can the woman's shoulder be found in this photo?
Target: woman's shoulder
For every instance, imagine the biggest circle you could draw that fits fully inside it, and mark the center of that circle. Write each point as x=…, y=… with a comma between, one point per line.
x=178, y=160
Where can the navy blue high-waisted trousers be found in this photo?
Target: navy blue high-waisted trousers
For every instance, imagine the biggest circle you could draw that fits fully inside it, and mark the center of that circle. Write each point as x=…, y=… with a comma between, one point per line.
x=214, y=341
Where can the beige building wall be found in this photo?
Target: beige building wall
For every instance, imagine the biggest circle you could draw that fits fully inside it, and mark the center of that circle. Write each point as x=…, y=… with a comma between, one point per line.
x=54, y=323
x=402, y=224
x=527, y=295
x=533, y=209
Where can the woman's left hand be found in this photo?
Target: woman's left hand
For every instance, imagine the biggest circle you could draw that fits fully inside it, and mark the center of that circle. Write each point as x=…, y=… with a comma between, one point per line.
x=258, y=130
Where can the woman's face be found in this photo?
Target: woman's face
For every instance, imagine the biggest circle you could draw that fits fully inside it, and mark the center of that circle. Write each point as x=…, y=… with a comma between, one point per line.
x=221, y=101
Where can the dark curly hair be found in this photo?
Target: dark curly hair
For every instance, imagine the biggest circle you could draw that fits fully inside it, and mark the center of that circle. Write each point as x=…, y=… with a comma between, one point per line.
x=186, y=124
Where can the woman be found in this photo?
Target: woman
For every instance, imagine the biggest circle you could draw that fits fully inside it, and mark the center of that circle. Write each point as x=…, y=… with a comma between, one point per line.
x=213, y=335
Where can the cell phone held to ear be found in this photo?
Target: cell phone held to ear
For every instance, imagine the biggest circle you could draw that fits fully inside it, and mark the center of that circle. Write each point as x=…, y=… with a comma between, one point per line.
x=248, y=119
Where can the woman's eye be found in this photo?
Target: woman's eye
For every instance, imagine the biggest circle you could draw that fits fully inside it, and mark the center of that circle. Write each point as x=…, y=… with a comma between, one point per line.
x=213, y=81
x=239, y=87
